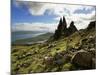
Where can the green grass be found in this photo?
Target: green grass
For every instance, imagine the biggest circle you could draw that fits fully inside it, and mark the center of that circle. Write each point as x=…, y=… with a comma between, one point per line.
x=33, y=55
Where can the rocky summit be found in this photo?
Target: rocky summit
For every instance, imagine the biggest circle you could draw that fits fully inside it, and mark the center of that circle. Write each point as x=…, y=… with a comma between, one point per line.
x=72, y=28
x=62, y=29
x=92, y=24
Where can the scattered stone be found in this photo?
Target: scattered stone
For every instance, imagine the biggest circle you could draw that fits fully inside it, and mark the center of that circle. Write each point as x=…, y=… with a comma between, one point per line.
x=72, y=49
x=29, y=54
x=61, y=58
x=90, y=37
x=25, y=65
x=48, y=60
x=14, y=50
x=59, y=62
x=67, y=57
x=51, y=45
x=93, y=52
x=58, y=56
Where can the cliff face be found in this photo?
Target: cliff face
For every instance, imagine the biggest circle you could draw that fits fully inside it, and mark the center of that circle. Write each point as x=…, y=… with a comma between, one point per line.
x=92, y=25
x=62, y=29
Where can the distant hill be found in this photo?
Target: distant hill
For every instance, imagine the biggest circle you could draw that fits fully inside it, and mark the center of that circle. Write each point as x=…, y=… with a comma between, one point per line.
x=24, y=32
x=39, y=38
x=16, y=35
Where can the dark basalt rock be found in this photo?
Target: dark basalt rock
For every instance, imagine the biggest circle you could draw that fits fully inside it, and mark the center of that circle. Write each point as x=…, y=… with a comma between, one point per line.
x=82, y=59
x=62, y=29
x=92, y=25
x=72, y=28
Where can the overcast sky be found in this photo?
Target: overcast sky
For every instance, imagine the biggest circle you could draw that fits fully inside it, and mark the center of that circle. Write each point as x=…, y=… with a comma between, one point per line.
x=36, y=16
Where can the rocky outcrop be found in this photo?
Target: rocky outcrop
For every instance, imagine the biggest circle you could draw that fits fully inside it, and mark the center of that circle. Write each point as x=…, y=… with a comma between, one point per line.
x=72, y=28
x=62, y=29
x=92, y=25
x=85, y=55
x=82, y=59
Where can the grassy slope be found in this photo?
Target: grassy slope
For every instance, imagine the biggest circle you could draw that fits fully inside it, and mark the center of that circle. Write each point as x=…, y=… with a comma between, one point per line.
x=32, y=56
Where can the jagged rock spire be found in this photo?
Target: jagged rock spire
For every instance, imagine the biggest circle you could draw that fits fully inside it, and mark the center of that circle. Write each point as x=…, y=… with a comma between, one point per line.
x=64, y=22
x=72, y=28
x=72, y=25
x=62, y=29
x=60, y=24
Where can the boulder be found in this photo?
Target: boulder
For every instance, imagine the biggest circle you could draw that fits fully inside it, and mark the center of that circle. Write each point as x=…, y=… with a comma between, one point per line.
x=83, y=59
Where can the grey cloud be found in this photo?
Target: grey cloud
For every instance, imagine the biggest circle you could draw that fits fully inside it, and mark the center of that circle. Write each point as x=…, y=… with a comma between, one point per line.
x=37, y=8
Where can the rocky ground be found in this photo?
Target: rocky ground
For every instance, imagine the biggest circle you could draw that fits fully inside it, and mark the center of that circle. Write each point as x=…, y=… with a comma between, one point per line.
x=74, y=50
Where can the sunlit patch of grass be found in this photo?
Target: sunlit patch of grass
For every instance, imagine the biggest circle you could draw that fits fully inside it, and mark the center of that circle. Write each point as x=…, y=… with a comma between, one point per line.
x=67, y=67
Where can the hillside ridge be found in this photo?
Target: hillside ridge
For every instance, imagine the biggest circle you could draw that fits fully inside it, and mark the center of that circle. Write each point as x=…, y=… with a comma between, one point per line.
x=70, y=49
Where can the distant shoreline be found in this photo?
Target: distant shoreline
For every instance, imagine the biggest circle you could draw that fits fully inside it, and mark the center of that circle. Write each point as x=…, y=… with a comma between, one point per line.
x=33, y=40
